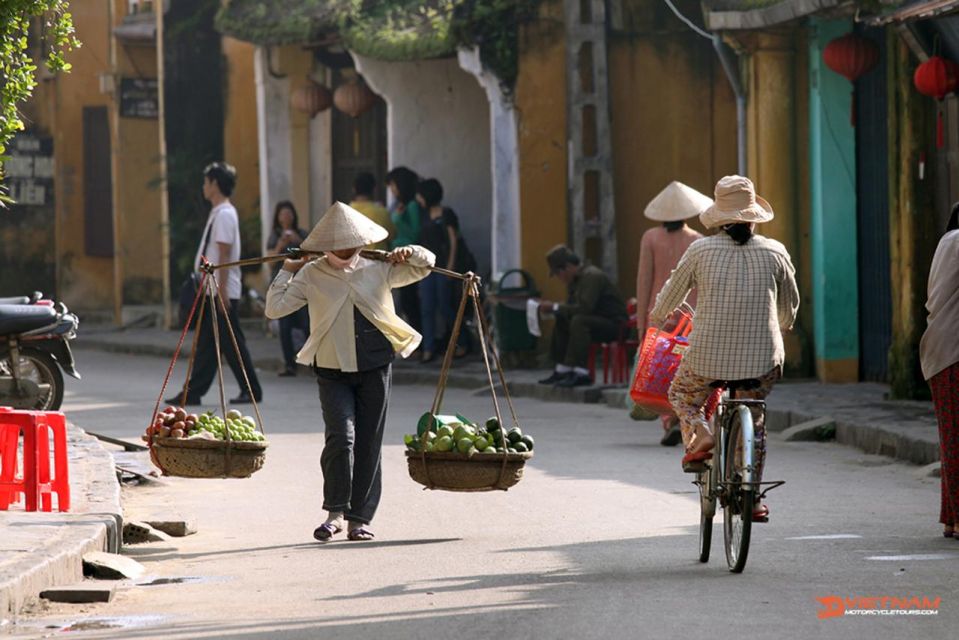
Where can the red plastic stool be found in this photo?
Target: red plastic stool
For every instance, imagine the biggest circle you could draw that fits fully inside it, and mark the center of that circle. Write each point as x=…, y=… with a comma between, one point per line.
x=36, y=483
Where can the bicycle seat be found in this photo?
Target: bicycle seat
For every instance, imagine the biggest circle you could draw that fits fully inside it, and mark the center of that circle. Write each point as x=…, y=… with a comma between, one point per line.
x=733, y=385
x=17, y=318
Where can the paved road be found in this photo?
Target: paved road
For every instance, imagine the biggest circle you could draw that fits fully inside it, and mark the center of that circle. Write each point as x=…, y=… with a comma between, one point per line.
x=598, y=540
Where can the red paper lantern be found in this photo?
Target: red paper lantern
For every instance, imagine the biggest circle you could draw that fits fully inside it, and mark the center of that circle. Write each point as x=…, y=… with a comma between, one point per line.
x=354, y=97
x=311, y=98
x=936, y=78
x=851, y=56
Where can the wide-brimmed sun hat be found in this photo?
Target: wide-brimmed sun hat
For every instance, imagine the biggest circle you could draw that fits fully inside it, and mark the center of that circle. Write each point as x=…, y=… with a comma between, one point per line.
x=677, y=202
x=343, y=227
x=736, y=201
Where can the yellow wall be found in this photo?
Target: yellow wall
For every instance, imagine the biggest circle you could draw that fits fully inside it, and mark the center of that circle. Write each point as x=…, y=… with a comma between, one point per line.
x=673, y=118
x=138, y=186
x=297, y=63
x=541, y=110
x=84, y=282
x=240, y=143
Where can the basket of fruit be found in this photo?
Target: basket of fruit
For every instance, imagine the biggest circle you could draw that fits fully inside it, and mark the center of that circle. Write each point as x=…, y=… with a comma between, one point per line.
x=454, y=454
x=206, y=445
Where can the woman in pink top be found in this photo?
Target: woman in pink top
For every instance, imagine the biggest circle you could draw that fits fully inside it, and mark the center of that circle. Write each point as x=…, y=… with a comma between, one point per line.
x=659, y=252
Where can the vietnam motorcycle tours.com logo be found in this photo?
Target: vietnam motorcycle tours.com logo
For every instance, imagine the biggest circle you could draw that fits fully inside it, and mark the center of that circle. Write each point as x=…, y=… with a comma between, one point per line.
x=837, y=606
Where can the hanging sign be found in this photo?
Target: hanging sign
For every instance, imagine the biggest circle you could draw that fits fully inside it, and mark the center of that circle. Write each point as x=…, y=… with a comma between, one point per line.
x=138, y=98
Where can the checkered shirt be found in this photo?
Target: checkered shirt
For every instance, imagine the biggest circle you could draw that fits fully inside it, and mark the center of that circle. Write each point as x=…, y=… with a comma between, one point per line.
x=747, y=297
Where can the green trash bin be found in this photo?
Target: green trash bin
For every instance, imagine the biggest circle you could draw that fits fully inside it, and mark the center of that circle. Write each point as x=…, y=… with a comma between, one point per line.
x=509, y=313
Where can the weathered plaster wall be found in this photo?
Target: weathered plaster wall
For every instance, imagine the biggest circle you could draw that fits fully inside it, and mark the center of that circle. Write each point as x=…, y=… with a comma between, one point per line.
x=832, y=160
x=240, y=125
x=85, y=282
x=540, y=98
x=438, y=125
x=673, y=118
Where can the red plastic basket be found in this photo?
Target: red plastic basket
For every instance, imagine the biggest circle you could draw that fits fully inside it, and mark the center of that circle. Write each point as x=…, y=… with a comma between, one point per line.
x=659, y=357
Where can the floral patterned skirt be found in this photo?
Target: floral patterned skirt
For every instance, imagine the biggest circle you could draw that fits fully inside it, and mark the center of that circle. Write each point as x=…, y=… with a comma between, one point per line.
x=945, y=395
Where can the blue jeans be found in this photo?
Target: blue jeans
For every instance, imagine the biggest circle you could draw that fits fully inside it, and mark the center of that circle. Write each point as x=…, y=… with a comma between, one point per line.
x=436, y=298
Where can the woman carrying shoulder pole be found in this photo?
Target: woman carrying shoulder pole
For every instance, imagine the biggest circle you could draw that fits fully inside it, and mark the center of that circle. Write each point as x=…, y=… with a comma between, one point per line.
x=354, y=336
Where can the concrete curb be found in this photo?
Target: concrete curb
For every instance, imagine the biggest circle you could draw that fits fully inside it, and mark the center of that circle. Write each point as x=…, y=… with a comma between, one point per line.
x=43, y=550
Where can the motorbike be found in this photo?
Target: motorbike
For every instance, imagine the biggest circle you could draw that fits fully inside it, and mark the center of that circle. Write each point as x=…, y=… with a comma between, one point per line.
x=35, y=339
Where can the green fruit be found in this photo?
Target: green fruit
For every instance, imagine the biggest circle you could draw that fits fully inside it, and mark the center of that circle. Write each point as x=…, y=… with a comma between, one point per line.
x=511, y=450
x=492, y=424
x=463, y=445
x=415, y=445
x=233, y=414
x=445, y=430
x=249, y=421
x=430, y=446
x=443, y=443
x=521, y=447
x=461, y=432
x=515, y=435
x=528, y=441
x=408, y=439
x=480, y=443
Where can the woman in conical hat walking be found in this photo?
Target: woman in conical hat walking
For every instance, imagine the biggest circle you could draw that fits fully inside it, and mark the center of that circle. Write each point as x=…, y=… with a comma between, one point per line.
x=659, y=252
x=354, y=336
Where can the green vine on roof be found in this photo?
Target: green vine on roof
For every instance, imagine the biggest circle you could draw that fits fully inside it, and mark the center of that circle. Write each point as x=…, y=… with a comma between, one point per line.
x=17, y=68
x=414, y=29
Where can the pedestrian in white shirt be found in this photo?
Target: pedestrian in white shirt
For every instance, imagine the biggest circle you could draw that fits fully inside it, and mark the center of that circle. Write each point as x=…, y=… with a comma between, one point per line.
x=354, y=336
x=221, y=244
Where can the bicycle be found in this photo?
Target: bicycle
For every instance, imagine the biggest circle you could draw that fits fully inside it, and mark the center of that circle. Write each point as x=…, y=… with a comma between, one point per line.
x=728, y=476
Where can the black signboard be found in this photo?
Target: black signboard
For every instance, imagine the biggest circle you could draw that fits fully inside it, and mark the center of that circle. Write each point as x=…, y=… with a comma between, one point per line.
x=138, y=98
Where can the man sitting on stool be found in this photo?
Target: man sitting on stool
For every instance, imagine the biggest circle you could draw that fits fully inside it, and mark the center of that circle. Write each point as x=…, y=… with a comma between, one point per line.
x=594, y=313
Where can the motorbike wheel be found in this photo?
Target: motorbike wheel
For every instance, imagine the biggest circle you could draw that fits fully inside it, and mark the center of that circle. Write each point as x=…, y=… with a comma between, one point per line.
x=41, y=369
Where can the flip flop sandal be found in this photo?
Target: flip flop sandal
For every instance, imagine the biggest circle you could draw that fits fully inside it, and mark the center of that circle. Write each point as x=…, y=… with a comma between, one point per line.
x=695, y=462
x=326, y=531
x=360, y=534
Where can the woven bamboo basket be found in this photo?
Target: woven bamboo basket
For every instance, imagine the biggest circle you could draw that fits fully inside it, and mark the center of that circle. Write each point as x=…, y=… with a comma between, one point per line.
x=202, y=458
x=458, y=472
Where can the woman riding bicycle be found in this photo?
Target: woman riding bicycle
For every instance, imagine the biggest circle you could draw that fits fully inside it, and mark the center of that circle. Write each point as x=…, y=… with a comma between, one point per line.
x=747, y=297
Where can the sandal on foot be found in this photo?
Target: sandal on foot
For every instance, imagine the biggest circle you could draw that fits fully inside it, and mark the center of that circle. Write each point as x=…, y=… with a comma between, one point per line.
x=359, y=534
x=696, y=462
x=948, y=532
x=326, y=531
x=672, y=437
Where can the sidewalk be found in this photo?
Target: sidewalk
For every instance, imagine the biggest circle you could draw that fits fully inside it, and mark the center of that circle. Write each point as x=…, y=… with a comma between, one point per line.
x=863, y=417
x=40, y=550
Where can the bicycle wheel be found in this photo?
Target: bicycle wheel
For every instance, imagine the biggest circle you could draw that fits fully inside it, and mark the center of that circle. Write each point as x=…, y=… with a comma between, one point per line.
x=738, y=510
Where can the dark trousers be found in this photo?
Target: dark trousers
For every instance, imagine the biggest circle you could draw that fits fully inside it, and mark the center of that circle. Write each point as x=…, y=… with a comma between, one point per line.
x=410, y=305
x=572, y=337
x=354, y=414
x=204, y=368
x=299, y=319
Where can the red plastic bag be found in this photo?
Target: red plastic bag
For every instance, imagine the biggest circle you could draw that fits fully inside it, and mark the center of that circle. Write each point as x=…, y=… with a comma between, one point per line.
x=659, y=357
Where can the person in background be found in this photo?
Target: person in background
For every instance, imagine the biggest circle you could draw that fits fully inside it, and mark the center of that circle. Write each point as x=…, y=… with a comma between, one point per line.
x=287, y=234
x=364, y=186
x=407, y=218
x=440, y=235
x=659, y=253
x=595, y=312
x=354, y=338
x=939, y=357
x=221, y=244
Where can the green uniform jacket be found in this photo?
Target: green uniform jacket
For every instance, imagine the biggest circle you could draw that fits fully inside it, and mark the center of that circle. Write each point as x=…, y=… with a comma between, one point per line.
x=592, y=293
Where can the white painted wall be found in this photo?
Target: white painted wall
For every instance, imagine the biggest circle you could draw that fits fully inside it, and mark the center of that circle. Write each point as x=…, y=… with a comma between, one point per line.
x=438, y=124
x=273, y=131
x=505, y=232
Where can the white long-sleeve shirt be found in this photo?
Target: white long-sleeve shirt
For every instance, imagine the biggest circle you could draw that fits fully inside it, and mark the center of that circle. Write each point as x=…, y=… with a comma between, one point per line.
x=332, y=294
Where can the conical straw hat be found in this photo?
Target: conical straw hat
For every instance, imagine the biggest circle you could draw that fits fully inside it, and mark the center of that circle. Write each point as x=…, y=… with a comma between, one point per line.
x=343, y=227
x=677, y=202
